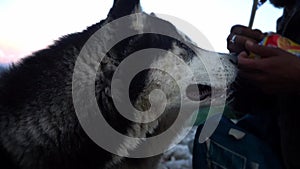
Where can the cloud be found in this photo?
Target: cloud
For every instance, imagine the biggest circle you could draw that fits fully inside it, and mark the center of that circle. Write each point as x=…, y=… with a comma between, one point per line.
x=9, y=57
x=1, y=53
x=3, y=58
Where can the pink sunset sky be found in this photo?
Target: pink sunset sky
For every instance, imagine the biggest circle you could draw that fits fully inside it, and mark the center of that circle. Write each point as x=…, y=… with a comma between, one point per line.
x=27, y=26
x=30, y=25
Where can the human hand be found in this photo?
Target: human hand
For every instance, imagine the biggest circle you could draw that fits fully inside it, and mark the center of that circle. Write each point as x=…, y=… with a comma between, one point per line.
x=276, y=72
x=241, y=34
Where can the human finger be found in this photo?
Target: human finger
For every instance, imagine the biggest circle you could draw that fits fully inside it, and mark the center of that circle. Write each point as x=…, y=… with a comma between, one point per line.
x=241, y=30
x=262, y=51
x=248, y=64
x=236, y=43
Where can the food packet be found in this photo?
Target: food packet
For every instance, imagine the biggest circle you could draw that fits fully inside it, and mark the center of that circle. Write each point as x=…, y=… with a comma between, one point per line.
x=275, y=40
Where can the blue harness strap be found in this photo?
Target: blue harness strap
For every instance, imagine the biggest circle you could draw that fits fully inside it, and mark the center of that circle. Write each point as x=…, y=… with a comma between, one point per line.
x=231, y=147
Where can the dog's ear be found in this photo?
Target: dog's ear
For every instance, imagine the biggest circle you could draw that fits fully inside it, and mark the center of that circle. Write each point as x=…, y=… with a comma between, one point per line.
x=124, y=7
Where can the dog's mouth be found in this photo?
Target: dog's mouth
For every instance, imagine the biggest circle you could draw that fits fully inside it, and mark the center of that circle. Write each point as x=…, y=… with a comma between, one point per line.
x=198, y=92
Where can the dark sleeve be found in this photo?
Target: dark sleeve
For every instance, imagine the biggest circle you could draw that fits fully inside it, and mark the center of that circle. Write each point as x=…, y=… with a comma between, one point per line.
x=289, y=25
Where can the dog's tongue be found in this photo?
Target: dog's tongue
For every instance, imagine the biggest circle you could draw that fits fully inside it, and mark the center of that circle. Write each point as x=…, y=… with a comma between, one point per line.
x=198, y=92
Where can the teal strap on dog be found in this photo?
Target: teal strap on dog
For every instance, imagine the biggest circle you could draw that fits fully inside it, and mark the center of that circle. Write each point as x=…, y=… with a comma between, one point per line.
x=203, y=112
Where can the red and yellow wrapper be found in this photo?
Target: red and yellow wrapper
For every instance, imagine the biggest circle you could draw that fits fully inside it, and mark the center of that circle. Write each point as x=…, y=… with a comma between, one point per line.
x=275, y=40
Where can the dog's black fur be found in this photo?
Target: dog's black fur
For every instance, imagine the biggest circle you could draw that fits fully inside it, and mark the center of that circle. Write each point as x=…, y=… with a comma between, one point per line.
x=38, y=125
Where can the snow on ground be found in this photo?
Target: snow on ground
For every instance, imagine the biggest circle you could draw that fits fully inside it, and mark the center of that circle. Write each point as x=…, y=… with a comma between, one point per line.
x=180, y=157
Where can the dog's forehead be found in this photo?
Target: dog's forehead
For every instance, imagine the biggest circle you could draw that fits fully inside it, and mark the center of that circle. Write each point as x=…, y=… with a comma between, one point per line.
x=146, y=23
x=153, y=24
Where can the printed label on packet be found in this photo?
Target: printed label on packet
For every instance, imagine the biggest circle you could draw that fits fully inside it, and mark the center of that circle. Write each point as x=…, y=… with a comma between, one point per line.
x=275, y=40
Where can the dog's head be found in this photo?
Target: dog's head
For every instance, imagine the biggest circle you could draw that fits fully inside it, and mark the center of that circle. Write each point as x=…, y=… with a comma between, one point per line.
x=148, y=71
x=171, y=61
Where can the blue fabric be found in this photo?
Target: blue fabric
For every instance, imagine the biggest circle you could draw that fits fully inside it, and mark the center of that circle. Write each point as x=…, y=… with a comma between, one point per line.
x=227, y=152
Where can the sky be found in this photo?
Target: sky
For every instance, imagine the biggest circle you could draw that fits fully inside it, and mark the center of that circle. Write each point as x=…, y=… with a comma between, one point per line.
x=29, y=25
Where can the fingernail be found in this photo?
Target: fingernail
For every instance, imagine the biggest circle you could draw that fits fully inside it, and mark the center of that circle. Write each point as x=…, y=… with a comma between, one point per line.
x=243, y=54
x=249, y=43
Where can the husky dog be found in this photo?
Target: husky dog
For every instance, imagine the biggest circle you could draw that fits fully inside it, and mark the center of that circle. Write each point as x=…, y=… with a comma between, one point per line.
x=39, y=128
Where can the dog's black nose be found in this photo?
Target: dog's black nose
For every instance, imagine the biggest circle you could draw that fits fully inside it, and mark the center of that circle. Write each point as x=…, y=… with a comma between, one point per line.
x=233, y=58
